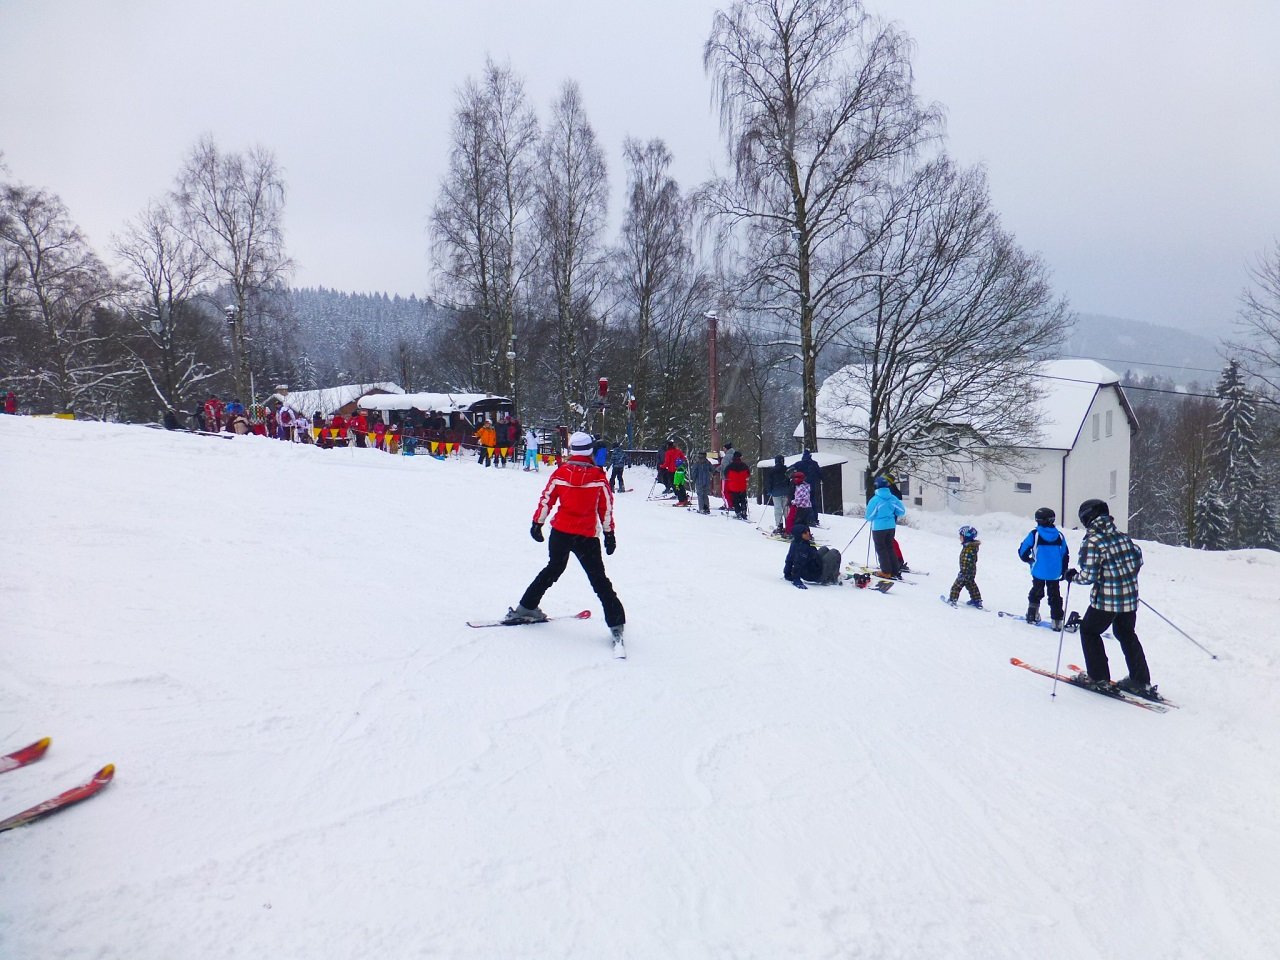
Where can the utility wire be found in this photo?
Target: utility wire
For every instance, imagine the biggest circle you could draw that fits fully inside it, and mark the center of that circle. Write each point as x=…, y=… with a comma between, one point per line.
x=1177, y=393
x=1140, y=363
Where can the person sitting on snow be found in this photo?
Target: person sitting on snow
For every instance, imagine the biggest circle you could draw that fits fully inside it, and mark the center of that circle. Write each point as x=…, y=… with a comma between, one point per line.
x=807, y=562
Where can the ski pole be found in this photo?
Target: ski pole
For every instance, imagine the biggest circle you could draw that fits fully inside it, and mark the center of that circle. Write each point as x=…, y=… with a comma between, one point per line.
x=1057, y=666
x=854, y=537
x=1212, y=655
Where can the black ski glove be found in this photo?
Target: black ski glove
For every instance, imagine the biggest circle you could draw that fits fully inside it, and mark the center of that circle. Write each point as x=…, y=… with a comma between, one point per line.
x=1072, y=574
x=610, y=543
x=535, y=531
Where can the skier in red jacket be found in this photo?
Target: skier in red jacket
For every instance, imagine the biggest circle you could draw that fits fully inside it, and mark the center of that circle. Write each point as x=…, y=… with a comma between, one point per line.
x=579, y=493
x=737, y=476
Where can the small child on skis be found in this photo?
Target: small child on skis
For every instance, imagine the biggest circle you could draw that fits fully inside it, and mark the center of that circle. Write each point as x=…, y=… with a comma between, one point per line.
x=678, y=484
x=1045, y=550
x=968, y=576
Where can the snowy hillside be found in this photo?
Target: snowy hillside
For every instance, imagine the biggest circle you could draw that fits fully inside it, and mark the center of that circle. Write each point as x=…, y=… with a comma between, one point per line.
x=316, y=758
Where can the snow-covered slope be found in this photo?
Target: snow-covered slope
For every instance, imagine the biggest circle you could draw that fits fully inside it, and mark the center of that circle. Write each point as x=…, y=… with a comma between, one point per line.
x=317, y=758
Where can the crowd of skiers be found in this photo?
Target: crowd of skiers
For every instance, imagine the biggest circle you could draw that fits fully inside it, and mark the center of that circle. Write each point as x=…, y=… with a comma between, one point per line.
x=578, y=503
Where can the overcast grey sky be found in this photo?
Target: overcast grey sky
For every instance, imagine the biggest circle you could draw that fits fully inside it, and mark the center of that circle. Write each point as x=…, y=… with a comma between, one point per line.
x=1134, y=144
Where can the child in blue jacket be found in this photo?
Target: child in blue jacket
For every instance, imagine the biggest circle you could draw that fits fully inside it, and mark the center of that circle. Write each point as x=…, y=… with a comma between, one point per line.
x=1045, y=550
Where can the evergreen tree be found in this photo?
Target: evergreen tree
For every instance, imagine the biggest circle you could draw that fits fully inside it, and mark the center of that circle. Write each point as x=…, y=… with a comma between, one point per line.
x=1211, y=525
x=1268, y=535
x=1240, y=472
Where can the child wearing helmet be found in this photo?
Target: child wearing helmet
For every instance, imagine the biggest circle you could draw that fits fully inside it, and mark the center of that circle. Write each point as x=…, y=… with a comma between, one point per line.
x=1045, y=550
x=678, y=484
x=968, y=575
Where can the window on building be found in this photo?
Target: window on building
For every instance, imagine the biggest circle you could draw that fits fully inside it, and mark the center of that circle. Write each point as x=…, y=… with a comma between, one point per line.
x=955, y=480
x=1095, y=426
x=1109, y=419
x=919, y=501
x=904, y=484
x=1113, y=483
x=1022, y=487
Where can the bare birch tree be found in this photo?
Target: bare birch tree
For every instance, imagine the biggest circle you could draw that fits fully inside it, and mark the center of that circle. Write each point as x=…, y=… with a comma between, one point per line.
x=175, y=341
x=482, y=221
x=572, y=197
x=54, y=283
x=661, y=293
x=232, y=208
x=817, y=106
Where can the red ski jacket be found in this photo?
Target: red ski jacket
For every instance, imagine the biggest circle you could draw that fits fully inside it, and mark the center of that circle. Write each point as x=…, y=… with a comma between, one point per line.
x=670, y=457
x=583, y=494
x=736, y=477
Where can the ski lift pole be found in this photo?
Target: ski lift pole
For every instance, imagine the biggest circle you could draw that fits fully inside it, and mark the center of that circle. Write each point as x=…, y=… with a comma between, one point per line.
x=1212, y=655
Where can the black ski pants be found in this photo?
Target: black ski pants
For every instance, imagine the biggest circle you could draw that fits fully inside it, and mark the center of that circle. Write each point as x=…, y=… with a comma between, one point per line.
x=615, y=478
x=587, y=550
x=1038, y=589
x=1095, y=654
x=885, y=554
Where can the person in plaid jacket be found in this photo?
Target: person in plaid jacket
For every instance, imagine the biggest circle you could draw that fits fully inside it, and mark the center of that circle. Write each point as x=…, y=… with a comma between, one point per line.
x=968, y=575
x=1110, y=561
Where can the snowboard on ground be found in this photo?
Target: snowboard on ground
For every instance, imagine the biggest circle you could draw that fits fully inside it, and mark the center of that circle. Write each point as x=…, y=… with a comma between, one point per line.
x=1158, y=705
x=28, y=754
x=961, y=604
x=580, y=615
x=63, y=800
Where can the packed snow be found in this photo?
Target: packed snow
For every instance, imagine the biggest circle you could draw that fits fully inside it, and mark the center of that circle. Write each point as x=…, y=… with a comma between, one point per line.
x=317, y=758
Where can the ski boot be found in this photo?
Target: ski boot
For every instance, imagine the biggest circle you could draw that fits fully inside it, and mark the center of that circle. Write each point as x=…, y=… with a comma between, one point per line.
x=1146, y=691
x=1057, y=624
x=1033, y=613
x=519, y=614
x=976, y=604
x=1084, y=680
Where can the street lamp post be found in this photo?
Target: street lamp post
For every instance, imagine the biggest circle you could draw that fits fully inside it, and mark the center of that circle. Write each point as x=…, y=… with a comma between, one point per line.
x=712, y=318
x=511, y=362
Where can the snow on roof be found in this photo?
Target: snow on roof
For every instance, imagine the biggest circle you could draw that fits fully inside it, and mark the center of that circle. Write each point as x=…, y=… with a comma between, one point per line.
x=427, y=402
x=1068, y=388
x=820, y=457
x=326, y=401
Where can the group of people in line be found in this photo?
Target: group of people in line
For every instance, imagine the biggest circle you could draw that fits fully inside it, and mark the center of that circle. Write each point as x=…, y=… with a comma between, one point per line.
x=578, y=502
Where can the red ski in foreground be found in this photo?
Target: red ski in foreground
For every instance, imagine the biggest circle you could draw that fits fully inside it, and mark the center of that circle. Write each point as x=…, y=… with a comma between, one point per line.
x=580, y=615
x=28, y=754
x=62, y=800
x=1115, y=693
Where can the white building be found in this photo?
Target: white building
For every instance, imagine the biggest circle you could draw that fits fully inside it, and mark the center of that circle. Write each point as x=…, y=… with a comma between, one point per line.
x=1081, y=450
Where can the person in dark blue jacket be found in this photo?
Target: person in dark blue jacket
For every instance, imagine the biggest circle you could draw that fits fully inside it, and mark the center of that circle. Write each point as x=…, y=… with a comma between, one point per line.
x=807, y=562
x=1045, y=550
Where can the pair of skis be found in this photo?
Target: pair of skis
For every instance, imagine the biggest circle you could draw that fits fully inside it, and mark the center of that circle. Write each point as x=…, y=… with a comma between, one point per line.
x=30, y=754
x=619, y=648
x=1157, y=705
